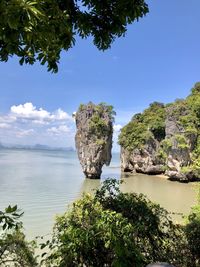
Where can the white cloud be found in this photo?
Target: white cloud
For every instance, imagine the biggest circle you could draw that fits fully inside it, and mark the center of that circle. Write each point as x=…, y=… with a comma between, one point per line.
x=117, y=127
x=4, y=125
x=61, y=115
x=28, y=124
x=22, y=133
x=28, y=111
x=58, y=130
x=7, y=119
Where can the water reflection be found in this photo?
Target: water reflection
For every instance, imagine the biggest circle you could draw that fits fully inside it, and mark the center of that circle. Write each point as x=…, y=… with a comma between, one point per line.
x=89, y=186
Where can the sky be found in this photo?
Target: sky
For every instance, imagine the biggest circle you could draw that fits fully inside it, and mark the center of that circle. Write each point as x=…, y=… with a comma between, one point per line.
x=157, y=60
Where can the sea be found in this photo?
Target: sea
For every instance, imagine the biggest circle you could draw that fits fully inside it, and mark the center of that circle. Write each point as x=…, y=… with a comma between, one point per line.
x=45, y=183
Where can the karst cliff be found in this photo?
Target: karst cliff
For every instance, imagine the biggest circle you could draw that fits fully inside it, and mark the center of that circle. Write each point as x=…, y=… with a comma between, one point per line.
x=164, y=139
x=94, y=137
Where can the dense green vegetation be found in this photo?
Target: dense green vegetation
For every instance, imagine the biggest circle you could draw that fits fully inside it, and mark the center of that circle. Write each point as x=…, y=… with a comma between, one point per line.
x=192, y=232
x=38, y=30
x=14, y=249
x=110, y=228
x=144, y=126
x=101, y=119
x=151, y=124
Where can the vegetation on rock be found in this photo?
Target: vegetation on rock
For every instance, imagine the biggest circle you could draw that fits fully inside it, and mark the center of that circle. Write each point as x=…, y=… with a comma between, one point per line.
x=98, y=125
x=143, y=126
x=101, y=118
x=175, y=127
x=94, y=137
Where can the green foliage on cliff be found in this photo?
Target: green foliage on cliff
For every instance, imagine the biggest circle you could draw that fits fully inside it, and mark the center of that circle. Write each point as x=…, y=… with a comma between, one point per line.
x=101, y=121
x=143, y=126
x=181, y=140
x=193, y=101
x=38, y=30
x=151, y=123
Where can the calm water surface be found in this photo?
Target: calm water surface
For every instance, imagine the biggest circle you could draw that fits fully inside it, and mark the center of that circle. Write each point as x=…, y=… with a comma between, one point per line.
x=44, y=183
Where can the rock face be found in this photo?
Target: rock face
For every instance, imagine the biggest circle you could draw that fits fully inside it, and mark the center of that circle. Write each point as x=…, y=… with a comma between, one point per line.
x=176, y=147
x=94, y=137
x=164, y=139
x=140, y=152
x=181, y=144
x=142, y=160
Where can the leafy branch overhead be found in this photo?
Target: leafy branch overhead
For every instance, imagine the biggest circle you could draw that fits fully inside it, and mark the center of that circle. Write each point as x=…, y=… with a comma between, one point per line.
x=38, y=30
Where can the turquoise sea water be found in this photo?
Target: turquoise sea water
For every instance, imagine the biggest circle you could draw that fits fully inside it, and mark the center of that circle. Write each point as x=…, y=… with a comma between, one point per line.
x=44, y=183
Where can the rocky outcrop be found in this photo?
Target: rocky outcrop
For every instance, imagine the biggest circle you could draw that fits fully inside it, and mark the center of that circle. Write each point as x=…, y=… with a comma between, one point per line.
x=140, y=141
x=94, y=137
x=143, y=160
x=181, y=143
x=164, y=139
x=176, y=146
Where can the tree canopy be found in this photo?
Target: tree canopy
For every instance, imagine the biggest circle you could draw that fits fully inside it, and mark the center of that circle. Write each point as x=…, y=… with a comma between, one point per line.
x=38, y=30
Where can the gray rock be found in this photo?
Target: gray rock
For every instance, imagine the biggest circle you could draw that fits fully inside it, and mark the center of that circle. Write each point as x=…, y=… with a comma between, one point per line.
x=93, y=145
x=126, y=164
x=142, y=160
x=176, y=176
x=178, y=156
x=172, y=126
x=178, y=149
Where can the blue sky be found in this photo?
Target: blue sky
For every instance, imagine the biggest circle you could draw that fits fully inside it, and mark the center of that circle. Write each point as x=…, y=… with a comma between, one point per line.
x=157, y=60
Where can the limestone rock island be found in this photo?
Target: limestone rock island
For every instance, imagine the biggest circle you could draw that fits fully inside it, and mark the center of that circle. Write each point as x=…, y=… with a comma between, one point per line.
x=94, y=137
x=165, y=139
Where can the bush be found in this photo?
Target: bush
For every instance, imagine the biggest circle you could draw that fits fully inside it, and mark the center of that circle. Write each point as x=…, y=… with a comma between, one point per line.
x=143, y=125
x=114, y=229
x=14, y=249
x=89, y=235
x=192, y=231
x=109, y=229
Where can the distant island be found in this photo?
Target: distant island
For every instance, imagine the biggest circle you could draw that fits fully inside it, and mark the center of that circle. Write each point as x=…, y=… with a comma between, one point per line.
x=35, y=147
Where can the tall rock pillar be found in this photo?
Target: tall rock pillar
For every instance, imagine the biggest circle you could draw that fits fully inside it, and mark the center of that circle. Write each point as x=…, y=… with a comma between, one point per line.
x=94, y=137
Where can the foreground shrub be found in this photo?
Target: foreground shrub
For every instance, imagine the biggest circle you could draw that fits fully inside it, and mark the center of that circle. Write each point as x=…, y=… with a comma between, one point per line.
x=14, y=249
x=89, y=235
x=156, y=236
x=108, y=229
x=115, y=229
x=192, y=231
